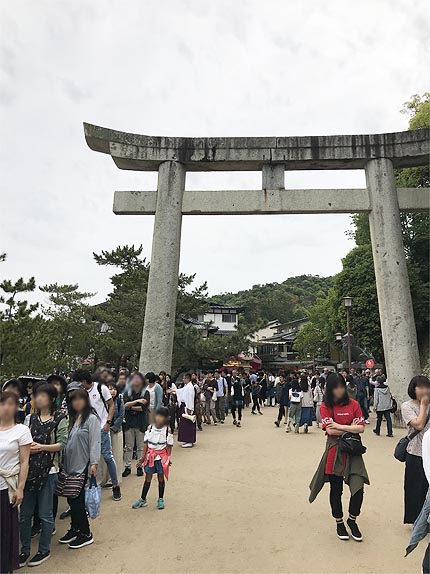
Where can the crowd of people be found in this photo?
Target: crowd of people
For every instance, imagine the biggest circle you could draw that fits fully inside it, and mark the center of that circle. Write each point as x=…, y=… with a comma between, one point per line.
x=57, y=433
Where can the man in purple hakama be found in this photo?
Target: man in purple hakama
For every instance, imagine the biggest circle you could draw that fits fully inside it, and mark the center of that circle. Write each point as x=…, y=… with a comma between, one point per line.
x=187, y=429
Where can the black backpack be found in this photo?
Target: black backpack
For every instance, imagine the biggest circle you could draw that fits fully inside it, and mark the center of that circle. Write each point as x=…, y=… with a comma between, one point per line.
x=41, y=463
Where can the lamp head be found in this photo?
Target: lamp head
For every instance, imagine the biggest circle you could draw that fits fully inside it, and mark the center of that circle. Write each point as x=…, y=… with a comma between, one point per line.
x=347, y=301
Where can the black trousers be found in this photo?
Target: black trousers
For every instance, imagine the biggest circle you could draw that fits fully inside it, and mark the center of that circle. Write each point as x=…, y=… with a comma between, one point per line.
x=387, y=415
x=416, y=487
x=336, y=490
x=281, y=413
x=233, y=411
x=172, y=413
x=362, y=401
x=79, y=519
x=255, y=403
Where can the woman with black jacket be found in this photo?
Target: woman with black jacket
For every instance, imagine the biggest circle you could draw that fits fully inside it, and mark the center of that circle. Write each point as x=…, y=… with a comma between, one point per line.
x=136, y=404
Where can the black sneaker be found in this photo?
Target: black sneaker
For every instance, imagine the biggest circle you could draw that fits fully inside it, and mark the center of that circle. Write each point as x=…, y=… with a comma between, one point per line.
x=355, y=531
x=341, y=531
x=139, y=471
x=126, y=472
x=276, y=423
x=38, y=558
x=35, y=531
x=70, y=536
x=23, y=557
x=81, y=541
x=65, y=514
x=116, y=494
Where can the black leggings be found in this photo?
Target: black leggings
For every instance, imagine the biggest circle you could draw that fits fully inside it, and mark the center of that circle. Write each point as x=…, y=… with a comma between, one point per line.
x=78, y=514
x=255, y=404
x=416, y=487
x=336, y=489
x=233, y=411
x=281, y=413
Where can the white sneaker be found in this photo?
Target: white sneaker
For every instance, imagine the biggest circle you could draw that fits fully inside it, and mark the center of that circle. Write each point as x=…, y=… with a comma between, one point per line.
x=187, y=445
x=367, y=421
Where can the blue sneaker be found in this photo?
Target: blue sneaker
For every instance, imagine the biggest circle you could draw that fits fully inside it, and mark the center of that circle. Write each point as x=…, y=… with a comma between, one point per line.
x=140, y=503
x=160, y=504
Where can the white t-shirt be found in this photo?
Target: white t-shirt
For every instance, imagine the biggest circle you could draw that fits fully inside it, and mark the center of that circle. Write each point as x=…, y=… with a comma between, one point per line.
x=157, y=439
x=97, y=403
x=426, y=454
x=151, y=391
x=10, y=441
x=296, y=396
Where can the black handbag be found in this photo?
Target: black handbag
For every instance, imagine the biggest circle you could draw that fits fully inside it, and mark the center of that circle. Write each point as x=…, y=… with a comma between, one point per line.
x=350, y=443
x=401, y=451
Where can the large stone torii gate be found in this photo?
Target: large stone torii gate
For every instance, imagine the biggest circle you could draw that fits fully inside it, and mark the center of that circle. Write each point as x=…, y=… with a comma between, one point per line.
x=172, y=157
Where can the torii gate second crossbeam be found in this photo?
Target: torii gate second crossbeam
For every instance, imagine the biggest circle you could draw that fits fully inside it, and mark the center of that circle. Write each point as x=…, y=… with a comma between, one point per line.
x=377, y=154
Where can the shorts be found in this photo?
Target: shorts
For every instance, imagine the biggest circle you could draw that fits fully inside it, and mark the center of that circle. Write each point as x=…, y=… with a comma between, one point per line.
x=156, y=469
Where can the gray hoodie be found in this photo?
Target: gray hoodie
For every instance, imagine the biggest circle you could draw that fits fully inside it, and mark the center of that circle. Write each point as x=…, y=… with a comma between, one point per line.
x=382, y=399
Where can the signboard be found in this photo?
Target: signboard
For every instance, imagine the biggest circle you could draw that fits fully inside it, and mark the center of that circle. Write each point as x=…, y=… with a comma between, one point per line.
x=370, y=363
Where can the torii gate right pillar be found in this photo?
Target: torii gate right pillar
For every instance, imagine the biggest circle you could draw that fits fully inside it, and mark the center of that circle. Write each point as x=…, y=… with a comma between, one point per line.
x=392, y=281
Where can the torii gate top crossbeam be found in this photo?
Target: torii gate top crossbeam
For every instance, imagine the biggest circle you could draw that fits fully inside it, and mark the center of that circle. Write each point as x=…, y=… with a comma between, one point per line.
x=146, y=153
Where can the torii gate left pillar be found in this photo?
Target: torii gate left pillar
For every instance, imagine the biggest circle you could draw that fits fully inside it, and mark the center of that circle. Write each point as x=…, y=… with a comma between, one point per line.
x=160, y=310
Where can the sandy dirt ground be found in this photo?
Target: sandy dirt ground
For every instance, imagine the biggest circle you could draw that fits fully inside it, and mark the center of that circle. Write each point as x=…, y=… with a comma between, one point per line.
x=238, y=502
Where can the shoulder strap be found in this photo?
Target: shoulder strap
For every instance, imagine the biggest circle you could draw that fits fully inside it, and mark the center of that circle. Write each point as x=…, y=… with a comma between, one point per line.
x=99, y=388
x=417, y=432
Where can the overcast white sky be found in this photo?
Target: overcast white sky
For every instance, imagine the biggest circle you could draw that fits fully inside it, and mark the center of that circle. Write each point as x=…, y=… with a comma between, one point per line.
x=188, y=68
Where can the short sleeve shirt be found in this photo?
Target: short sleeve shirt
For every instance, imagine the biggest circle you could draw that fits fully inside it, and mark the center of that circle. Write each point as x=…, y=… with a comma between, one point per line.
x=10, y=441
x=158, y=439
x=410, y=411
x=97, y=403
x=343, y=415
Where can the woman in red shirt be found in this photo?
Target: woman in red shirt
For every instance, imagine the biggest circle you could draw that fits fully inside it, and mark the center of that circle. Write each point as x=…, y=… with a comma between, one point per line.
x=340, y=414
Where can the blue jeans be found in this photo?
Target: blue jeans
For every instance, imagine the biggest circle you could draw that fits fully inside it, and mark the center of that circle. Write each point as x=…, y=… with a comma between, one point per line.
x=44, y=499
x=108, y=456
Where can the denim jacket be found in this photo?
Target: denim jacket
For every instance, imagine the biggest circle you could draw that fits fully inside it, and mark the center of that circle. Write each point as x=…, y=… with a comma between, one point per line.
x=421, y=526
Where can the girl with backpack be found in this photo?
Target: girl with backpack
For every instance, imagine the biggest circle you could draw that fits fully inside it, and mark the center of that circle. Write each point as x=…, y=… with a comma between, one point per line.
x=48, y=428
x=295, y=396
x=318, y=399
x=155, y=458
x=306, y=413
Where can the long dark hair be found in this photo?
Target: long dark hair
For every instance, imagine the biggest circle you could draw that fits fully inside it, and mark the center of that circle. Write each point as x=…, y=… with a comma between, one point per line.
x=88, y=410
x=332, y=382
x=295, y=385
x=118, y=397
x=304, y=385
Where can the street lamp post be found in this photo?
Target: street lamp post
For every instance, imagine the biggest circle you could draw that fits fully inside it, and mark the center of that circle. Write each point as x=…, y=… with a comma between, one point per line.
x=347, y=303
x=339, y=342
